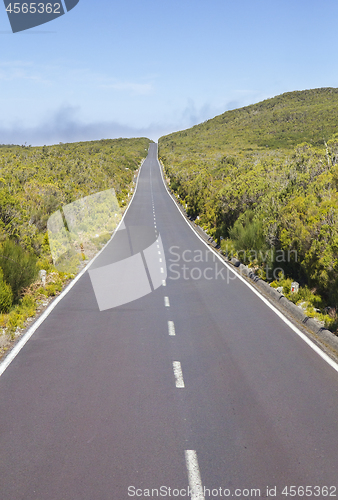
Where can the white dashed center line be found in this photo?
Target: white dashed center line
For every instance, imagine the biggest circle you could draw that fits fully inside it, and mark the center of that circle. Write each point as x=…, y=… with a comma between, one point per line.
x=164, y=283
x=166, y=302
x=171, y=328
x=194, y=475
x=178, y=375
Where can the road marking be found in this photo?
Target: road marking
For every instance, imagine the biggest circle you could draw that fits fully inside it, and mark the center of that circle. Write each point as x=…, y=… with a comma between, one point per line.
x=164, y=283
x=159, y=253
x=25, y=338
x=178, y=375
x=166, y=301
x=160, y=260
x=194, y=475
x=162, y=271
x=171, y=328
x=302, y=335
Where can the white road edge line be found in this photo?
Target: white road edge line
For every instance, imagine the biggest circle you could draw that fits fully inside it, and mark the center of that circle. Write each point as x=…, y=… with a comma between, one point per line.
x=194, y=475
x=24, y=339
x=178, y=375
x=171, y=328
x=309, y=342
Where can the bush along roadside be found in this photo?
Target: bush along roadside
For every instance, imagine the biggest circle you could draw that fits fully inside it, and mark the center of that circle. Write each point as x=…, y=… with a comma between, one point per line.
x=261, y=267
x=249, y=251
x=277, y=214
x=24, y=292
x=279, y=291
x=36, y=182
x=310, y=302
x=33, y=300
x=27, y=286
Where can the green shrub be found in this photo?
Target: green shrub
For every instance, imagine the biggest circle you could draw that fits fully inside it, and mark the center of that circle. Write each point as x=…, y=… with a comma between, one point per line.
x=46, y=263
x=228, y=248
x=248, y=238
x=6, y=295
x=15, y=320
x=101, y=240
x=28, y=305
x=52, y=288
x=19, y=267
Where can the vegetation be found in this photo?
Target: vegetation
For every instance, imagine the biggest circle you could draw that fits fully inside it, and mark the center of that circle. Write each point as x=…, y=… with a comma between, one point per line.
x=6, y=294
x=263, y=181
x=36, y=182
x=18, y=267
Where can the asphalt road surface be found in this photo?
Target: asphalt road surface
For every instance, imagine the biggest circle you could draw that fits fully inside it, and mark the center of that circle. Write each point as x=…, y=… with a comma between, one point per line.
x=196, y=387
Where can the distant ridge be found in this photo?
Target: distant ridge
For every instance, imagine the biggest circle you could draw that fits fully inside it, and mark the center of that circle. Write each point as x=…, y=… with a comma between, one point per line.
x=279, y=122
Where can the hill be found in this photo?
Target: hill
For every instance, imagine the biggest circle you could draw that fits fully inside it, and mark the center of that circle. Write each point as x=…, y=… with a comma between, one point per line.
x=278, y=123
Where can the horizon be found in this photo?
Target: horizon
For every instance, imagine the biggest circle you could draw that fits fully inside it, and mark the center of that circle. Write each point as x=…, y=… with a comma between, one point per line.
x=169, y=133
x=151, y=69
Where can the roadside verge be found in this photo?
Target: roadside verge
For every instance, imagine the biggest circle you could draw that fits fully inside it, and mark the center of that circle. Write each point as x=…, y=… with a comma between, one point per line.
x=32, y=324
x=323, y=341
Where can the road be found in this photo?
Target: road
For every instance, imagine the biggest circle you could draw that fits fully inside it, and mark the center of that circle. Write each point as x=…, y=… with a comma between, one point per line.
x=95, y=403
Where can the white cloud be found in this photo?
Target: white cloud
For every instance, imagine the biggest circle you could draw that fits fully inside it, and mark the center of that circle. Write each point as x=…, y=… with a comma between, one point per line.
x=65, y=126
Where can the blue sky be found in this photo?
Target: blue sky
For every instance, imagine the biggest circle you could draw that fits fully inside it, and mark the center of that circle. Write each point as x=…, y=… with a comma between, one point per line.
x=147, y=68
